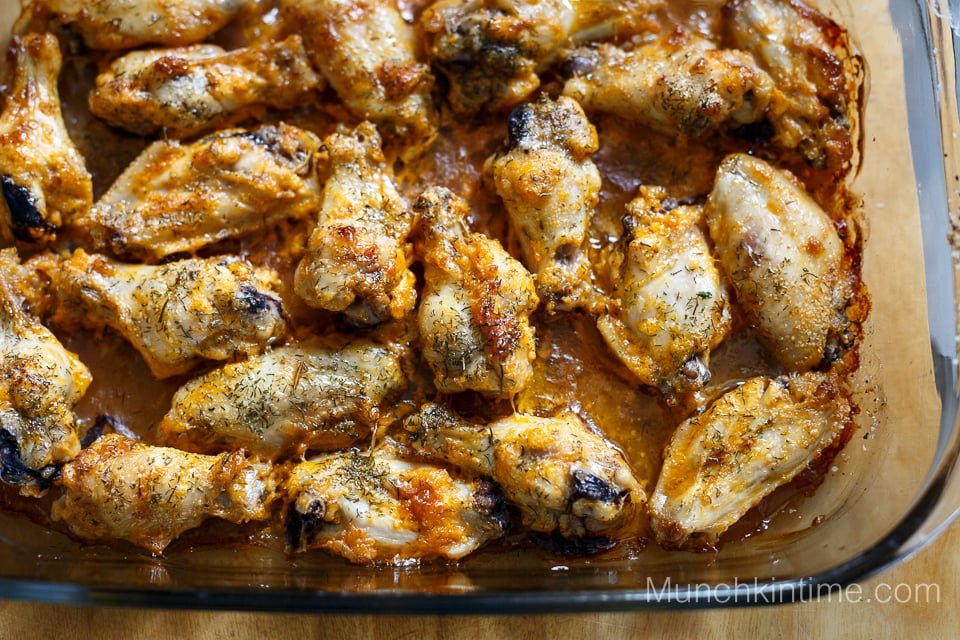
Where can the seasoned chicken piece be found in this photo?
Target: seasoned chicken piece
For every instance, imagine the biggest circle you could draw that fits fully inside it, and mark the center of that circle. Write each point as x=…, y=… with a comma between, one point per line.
x=368, y=54
x=550, y=188
x=380, y=508
x=809, y=58
x=43, y=177
x=40, y=382
x=492, y=50
x=785, y=259
x=753, y=439
x=121, y=489
x=672, y=305
x=295, y=398
x=678, y=85
x=124, y=24
x=356, y=260
x=195, y=89
x=174, y=314
x=475, y=313
x=176, y=198
x=562, y=477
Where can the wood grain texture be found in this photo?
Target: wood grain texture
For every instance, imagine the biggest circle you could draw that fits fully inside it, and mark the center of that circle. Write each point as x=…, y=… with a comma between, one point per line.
x=922, y=617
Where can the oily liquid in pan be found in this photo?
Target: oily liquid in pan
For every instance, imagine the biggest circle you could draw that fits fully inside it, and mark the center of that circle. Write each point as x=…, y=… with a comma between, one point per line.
x=574, y=368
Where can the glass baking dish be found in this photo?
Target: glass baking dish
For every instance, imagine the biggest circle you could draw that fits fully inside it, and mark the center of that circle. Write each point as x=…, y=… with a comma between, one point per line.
x=891, y=490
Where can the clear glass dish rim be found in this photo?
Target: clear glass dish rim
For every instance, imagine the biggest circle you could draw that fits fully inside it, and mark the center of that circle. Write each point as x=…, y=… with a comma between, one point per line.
x=905, y=539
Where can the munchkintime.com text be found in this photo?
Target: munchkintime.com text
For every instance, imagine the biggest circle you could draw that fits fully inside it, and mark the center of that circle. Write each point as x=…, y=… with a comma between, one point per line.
x=760, y=592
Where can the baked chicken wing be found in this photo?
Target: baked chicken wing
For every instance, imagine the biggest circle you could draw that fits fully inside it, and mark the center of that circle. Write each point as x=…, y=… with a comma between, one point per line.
x=40, y=382
x=174, y=314
x=475, y=313
x=124, y=24
x=368, y=54
x=678, y=85
x=750, y=441
x=492, y=50
x=194, y=89
x=357, y=260
x=672, y=306
x=562, y=477
x=550, y=188
x=292, y=399
x=808, y=56
x=180, y=197
x=121, y=489
x=786, y=261
x=43, y=177
x=376, y=507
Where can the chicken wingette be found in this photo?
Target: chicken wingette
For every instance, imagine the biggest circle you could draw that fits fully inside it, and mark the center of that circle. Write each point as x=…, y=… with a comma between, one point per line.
x=43, y=177
x=492, y=51
x=316, y=395
x=563, y=478
x=474, y=315
x=790, y=270
x=811, y=62
x=356, y=259
x=679, y=85
x=124, y=24
x=180, y=197
x=377, y=507
x=550, y=188
x=192, y=90
x=40, y=383
x=753, y=439
x=671, y=306
x=368, y=54
x=174, y=314
x=122, y=489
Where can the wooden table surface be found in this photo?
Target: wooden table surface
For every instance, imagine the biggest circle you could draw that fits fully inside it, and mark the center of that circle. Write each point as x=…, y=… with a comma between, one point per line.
x=923, y=594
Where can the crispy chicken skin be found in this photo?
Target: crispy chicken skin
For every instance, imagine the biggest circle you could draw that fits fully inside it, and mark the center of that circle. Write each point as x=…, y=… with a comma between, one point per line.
x=808, y=56
x=124, y=24
x=368, y=54
x=318, y=395
x=671, y=304
x=563, y=478
x=492, y=50
x=378, y=508
x=121, y=489
x=753, y=439
x=174, y=314
x=785, y=259
x=550, y=188
x=40, y=382
x=357, y=259
x=191, y=90
x=43, y=177
x=680, y=85
x=474, y=317
x=180, y=197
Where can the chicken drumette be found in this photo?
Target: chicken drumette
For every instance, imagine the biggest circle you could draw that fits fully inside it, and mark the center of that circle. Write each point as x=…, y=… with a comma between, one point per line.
x=173, y=314
x=550, y=188
x=40, y=382
x=357, y=260
x=475, y=313
x=563, y=478
x=377, y=507
x=43, y=177
x=122, y=489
